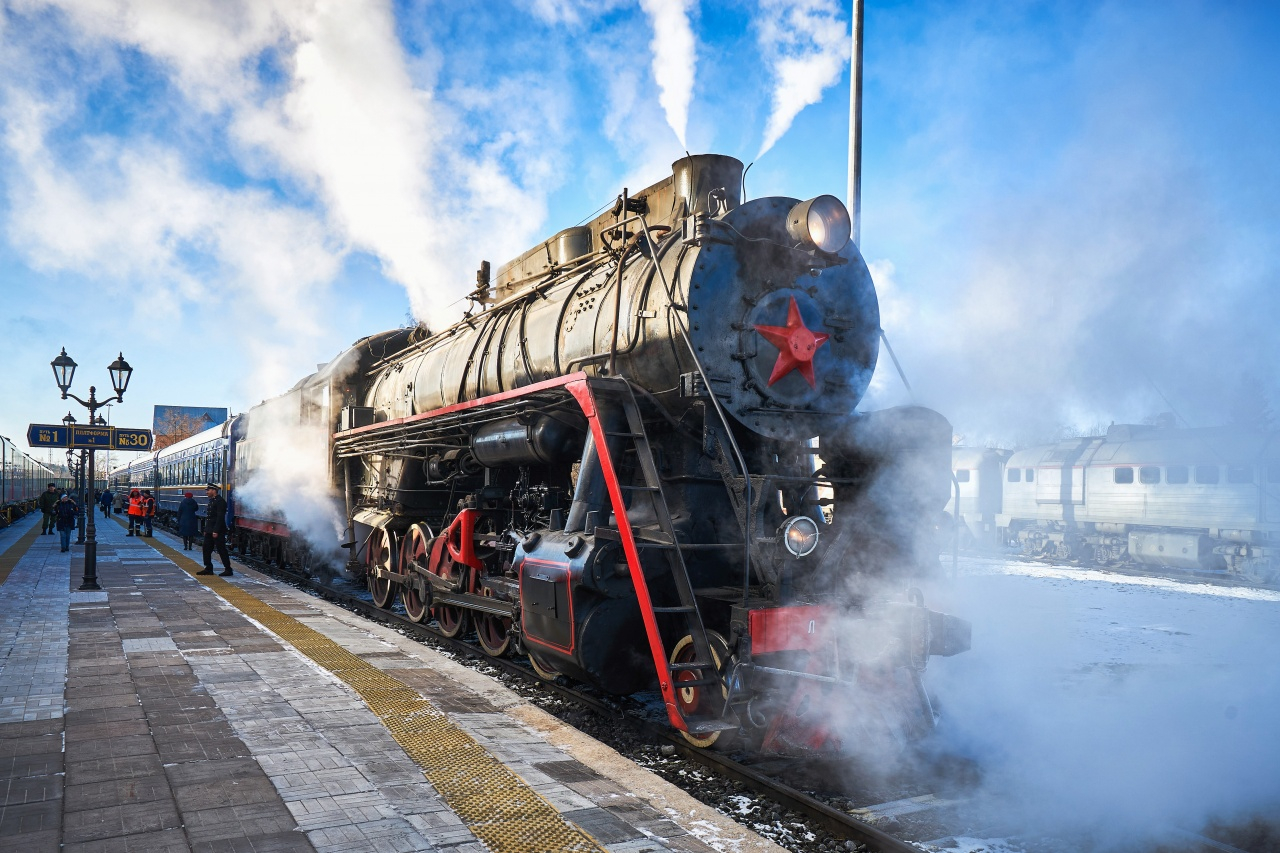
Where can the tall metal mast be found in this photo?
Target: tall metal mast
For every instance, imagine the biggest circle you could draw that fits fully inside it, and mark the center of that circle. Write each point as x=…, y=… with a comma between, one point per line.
x=855, y=126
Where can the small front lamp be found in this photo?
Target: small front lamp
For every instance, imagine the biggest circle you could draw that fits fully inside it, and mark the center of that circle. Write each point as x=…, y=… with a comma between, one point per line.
x=64, y=369
x=120, y=372
x=69, y=419
x=799, y=535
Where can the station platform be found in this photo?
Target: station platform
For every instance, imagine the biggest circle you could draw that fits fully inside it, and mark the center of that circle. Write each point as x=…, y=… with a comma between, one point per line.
x=170, y=712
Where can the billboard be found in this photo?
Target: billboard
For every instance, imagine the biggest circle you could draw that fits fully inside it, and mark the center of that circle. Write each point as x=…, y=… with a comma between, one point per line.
x=172, y=424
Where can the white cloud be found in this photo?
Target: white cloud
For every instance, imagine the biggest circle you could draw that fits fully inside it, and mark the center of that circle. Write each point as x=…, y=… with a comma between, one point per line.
x=806, y=45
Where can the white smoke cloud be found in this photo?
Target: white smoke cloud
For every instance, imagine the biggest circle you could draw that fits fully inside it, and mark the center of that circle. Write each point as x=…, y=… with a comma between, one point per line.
x=675, y=59
x=805, y=43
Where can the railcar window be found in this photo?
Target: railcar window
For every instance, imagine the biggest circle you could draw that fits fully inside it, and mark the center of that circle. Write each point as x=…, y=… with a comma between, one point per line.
x=1031, y=475
x=962, y=476
x=1177, y=474
x=1015, y=475
x=1239, y=474
x=1207, y=474
x=1149, y=474
x=1124, y=475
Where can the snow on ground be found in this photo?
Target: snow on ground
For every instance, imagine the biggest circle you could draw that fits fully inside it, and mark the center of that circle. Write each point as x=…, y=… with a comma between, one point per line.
x=1112, y=705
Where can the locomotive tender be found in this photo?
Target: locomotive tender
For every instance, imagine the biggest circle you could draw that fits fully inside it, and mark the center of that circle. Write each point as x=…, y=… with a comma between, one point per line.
x=1200, y=500
x=608, y=467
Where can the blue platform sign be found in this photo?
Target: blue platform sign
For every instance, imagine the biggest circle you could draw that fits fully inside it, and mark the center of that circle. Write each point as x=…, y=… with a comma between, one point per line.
x=90, y=437
x=131, y=439
x=48, y=435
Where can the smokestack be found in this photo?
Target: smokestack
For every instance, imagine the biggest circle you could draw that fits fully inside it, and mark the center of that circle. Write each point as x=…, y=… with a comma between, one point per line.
x=855, y=127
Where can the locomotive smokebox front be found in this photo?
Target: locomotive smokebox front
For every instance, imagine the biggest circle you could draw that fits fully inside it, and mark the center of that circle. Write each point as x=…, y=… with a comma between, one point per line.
x=788, y=333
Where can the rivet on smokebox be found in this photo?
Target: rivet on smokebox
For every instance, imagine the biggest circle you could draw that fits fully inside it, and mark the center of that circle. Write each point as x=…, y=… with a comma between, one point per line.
x=668, y=750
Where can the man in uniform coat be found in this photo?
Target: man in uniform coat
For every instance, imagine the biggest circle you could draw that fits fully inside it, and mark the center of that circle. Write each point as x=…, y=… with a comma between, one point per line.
x=215, y=533
x=47, y=502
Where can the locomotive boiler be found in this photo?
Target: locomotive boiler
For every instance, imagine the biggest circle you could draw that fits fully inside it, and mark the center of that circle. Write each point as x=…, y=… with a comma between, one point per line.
x=609, y=466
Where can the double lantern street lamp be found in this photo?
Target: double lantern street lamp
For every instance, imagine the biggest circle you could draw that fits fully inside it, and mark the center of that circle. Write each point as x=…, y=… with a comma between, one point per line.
x=64, y=369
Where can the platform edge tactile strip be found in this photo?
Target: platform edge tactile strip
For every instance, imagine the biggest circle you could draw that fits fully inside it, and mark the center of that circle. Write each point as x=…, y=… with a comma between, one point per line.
x=499, y=807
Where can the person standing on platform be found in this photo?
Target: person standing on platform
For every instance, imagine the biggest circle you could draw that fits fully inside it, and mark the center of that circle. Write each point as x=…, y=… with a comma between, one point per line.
x=135, y=513
x=65, y=513
x=104, y=500
x=215, y=533
x=188, y=524
x=148, y=511
x=48, y=502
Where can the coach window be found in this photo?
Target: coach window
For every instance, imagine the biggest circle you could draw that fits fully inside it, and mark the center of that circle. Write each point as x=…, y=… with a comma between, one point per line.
x=1207, y=474
x=962, y=476
x=1015, y=475
x=1149, y=474
x=1239, y=474
x=1031, y=475
x=1124, y=475
x=1176, y=475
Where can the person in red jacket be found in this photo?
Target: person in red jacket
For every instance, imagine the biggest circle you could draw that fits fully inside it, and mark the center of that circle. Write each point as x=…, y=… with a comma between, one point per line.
x=135, y=512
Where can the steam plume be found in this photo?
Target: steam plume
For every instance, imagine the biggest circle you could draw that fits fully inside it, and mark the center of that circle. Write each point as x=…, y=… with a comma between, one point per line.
x=805, y=44
x=674, y=59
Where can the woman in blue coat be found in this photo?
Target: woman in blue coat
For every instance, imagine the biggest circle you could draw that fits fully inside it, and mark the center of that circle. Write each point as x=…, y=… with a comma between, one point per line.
x=188, y=524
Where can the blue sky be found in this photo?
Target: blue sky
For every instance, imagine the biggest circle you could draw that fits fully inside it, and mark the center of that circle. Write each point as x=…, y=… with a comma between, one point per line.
x=1070, y=208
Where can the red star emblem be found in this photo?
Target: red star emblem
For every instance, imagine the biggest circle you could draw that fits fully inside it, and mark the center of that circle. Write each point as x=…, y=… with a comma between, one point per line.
x=796, y=346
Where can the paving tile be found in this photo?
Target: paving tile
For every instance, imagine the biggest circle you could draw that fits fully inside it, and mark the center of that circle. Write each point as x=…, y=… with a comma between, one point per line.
x=94, y=703
x=42, y=764
x=603, y=826
x=228, y=792
x=30, y=729
x=30, y=789
x=105, y=715
x=100, y=731
x=101, y=795
x=12, y=747
x=281, y=842
x=30, y=817
x=238, y=821
x=164, y=841
x=109, y=769
x=111, y=747
x=45, y=841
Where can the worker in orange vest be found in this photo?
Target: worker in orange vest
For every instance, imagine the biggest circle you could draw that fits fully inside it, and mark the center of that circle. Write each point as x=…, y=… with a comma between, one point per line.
x=148, y=511
x=136, y=513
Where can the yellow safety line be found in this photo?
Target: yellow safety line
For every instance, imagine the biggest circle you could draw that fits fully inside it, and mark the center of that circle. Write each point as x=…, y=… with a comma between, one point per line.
x=497, y=805
x=14, y=553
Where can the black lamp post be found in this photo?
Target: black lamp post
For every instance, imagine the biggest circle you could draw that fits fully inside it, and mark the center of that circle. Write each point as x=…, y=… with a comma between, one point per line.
x=64, y=369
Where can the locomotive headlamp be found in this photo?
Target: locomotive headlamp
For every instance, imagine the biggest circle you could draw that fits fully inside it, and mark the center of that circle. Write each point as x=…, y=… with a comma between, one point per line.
x=822, y=222
x=799, y=535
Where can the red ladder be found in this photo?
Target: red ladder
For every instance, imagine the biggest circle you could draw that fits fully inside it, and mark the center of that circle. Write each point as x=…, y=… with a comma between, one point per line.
x=608, y=396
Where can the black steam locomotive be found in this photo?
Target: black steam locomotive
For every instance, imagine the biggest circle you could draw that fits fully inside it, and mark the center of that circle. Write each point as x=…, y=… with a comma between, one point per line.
x=609, y=465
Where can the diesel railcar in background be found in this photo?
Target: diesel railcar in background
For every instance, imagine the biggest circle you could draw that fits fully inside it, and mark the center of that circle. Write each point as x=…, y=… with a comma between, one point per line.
x=1200, y=500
